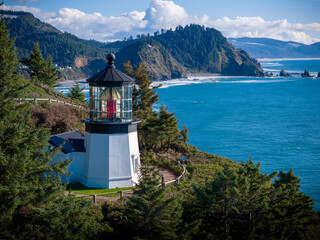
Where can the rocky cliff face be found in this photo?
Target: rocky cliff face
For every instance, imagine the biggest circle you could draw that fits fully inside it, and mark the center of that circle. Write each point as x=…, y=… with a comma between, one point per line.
x=159, y=61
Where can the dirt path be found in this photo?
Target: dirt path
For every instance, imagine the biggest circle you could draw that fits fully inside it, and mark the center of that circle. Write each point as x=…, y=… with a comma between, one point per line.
x=168, y=175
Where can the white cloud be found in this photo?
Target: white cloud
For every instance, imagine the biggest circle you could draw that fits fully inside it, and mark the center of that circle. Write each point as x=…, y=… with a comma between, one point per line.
x=258, y=27
x=94, y=25
x=163, y=14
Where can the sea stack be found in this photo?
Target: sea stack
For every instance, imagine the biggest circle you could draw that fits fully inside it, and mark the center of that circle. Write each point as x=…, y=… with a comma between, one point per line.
x=318, y=74
x=267, y=74
x=306, y=74
x=284, y=74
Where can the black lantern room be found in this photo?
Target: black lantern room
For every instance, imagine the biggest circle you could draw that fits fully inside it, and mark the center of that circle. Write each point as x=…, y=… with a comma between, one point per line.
x=110, y=97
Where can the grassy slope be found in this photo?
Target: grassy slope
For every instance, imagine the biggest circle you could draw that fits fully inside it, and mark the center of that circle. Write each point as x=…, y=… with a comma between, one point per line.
x=56, y=116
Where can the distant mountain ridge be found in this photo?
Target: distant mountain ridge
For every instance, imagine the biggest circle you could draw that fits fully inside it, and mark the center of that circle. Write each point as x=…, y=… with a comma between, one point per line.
x=271, y=48
x=172, y=54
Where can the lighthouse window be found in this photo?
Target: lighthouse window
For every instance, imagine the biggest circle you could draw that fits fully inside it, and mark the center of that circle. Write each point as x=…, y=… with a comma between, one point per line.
x=129, y=92
x=110, y=104
x=126, y=105
x=135, y=163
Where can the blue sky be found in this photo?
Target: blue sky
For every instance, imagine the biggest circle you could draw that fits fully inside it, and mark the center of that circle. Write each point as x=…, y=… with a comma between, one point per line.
x=104, y=20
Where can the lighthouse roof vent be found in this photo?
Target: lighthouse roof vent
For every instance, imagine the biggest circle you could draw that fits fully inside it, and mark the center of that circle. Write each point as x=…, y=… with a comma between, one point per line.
x=110, y=76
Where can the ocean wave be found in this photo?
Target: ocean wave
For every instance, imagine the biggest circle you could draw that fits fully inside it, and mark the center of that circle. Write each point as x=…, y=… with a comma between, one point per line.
x=285, y=59
x=185, y=81
x=259, y=81
x=271, y=70
x=271, y=64
x=219, y=80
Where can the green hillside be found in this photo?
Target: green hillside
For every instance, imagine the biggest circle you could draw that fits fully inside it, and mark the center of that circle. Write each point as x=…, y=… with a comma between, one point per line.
x=84, y=57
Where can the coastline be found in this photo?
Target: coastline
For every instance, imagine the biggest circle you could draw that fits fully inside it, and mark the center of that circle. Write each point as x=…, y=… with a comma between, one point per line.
x=71, y=82
x=286, y=59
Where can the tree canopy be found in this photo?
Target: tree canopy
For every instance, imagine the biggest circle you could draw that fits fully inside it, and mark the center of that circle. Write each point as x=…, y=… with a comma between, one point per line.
x=32, y=200
x=157, y=130
x=40, y=70
x=76, y=93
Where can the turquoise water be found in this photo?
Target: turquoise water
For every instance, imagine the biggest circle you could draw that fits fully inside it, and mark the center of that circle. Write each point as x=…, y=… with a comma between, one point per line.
x=276, y=121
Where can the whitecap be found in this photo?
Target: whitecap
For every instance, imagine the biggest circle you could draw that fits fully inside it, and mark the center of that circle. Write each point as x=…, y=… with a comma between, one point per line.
x=286, y=59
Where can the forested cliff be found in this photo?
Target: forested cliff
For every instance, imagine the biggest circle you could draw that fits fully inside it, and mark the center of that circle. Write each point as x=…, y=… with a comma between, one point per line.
x=190, y=49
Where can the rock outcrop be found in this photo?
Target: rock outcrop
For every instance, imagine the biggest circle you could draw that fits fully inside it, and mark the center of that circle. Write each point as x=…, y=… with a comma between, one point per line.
x=306, y=74
x=284, y=74
x=268, y=74
x=318, y=74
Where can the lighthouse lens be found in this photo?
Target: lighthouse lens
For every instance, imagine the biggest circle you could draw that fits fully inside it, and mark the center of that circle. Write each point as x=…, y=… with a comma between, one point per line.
x=110, y=104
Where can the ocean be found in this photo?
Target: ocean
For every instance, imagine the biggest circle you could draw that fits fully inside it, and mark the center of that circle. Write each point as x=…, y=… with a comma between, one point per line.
x=275, y=121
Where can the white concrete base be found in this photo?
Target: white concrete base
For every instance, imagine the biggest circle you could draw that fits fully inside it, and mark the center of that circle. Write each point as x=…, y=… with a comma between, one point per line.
x=112, y=160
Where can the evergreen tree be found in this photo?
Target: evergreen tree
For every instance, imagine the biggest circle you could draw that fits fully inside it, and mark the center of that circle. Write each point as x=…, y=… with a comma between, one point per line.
x=50, y=75
x=217, y=205
x=144, y=95
x=255, y=196
x=168, y=127
x=291, y=215
x=143, y=98
x=156, y=130
x=243, y=203
x=150, y=213
x=11, y=84
x=35, y=63
x=184, y=134
x=32, y=201
x=41, y=70
x=76, y=93
x=235, y=203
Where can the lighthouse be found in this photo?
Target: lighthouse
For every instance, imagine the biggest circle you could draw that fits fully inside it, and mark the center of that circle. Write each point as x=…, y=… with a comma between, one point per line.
x=111, y=141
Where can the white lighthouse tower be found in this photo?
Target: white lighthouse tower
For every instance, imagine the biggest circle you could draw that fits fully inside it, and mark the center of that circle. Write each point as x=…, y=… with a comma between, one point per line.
x=111, y=141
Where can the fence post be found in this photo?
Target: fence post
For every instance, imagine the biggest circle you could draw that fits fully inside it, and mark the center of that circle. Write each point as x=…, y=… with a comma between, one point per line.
x=121, y=195
x=163, y=184
x=94, y=198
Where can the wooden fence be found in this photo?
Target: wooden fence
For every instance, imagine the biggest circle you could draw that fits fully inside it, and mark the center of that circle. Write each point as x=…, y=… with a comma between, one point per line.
x=95, y=196
x=178, y=179
x=50, y=100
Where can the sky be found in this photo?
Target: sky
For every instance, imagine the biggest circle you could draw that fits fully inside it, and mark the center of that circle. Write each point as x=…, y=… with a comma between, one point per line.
x=105, y=20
